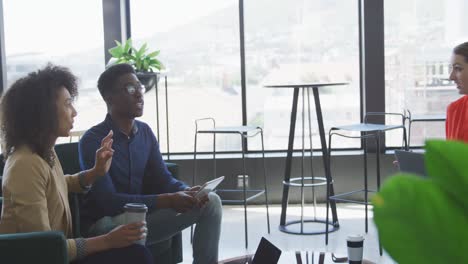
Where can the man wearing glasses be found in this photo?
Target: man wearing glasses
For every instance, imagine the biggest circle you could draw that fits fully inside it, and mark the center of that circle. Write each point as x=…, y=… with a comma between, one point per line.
x=138, y=174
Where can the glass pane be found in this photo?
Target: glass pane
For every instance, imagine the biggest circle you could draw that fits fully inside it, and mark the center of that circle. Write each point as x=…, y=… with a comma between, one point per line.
x=199, y=43
x=67, y=33
x=306, y=42
x=419, y=38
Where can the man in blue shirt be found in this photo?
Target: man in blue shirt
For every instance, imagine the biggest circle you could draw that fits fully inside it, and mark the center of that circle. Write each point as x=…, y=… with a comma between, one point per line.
x=138, y=174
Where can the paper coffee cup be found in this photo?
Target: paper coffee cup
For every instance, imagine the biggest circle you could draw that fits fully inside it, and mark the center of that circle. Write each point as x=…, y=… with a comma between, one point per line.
x=136, y=212
x=355, y=248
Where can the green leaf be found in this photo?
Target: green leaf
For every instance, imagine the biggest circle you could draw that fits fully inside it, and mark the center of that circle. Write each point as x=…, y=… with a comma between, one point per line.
x=142, y=50
x=156, y=64
x=138, y=65
x=161, y=66
x=116, y=52
x=128, y=46
x=135, y=54
x=121, y=60
x=446, y=163
x=154, y=54
x=145, y=65
x=419, y=223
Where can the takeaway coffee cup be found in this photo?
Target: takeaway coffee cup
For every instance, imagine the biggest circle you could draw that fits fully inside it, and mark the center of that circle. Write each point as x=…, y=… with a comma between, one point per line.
x=355, y=247
x=136, y=212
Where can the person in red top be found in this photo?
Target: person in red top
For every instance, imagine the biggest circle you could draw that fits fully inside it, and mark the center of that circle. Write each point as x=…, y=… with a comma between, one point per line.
x=456, y=126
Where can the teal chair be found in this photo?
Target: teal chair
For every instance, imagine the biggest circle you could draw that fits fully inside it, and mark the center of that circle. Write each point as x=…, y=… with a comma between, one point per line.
x=35, y=247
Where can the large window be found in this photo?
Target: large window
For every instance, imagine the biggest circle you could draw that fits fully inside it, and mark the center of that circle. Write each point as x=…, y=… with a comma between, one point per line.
x=67, y=33
x=301, y=41
x=200, y=46
x=285, y=41
x=199, y=43
x=418, y=43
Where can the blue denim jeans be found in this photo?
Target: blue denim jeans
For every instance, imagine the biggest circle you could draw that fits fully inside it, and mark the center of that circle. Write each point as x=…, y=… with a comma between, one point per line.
x=162, y=224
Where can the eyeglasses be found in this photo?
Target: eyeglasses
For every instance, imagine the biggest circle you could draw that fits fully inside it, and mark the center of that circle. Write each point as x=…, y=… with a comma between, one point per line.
x=133, y=88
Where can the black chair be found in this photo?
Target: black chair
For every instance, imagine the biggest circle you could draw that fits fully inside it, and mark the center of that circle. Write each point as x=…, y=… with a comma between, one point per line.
x=168, y=251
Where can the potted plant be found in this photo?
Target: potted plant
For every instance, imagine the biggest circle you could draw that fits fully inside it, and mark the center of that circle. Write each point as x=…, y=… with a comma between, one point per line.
x=424, y=220
x=146, y=64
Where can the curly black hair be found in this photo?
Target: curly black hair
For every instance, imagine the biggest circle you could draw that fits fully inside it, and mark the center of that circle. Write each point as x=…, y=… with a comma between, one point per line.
x=29, y=110
x=462, y=50
x=108, y=78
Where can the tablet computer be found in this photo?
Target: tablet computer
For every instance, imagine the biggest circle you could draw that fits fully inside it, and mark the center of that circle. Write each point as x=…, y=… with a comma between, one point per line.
x=411, y=162
x=266, y=253
x=209, y=186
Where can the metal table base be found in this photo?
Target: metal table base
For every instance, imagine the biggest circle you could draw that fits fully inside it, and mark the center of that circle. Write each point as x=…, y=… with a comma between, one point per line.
x=285, y=228
x=287, y=175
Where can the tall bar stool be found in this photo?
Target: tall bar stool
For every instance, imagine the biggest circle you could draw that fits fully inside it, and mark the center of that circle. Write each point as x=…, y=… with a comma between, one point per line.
x=367, y=131
x=247, y=195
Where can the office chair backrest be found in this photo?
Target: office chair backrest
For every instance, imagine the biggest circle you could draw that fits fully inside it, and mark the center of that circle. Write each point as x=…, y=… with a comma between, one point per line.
x=2, y=166
x=68, y=156
x=69, y=159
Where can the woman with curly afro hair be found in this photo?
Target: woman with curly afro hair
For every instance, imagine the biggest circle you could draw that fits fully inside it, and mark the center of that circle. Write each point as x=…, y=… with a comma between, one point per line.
x=35, y=111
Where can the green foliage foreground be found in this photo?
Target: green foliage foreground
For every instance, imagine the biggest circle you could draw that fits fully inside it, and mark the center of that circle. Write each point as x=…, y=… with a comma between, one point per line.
x=425, y=220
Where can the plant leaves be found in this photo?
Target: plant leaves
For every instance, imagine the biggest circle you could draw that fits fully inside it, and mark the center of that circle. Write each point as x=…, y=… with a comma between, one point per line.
x=121, y=60
x=156, y=64
x=116, y=52
x=138, y=65
x=141, y=61
x=419, y=223
x=128, y=46
x=135, y=54
x=145, y=65
x=141, y=51
x=446, y=164
x=154, y=54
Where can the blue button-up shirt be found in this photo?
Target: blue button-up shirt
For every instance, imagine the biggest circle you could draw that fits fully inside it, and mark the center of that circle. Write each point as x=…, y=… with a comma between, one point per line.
x=137, y=173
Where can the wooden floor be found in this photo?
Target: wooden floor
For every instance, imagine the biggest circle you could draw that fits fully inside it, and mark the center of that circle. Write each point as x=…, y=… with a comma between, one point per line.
x=351, y=219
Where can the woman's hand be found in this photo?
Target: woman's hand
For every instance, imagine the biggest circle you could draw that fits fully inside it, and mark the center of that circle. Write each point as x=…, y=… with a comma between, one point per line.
x=125, y=235
x=103, y=156
x=121, y=236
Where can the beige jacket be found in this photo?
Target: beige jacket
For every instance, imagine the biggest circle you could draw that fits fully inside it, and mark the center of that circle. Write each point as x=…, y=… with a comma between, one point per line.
x=35, y=196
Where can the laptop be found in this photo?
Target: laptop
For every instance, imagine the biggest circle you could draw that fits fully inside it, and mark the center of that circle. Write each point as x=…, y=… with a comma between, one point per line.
x=411, y=162
x=266, y=253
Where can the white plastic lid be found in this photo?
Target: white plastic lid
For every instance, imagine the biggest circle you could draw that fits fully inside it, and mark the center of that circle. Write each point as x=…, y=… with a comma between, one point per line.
x=355, y=238
x=136, y=207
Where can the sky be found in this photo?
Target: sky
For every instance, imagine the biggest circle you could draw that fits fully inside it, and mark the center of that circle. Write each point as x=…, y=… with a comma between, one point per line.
x=60, y=27
x=56, y=27
x=160, y=15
